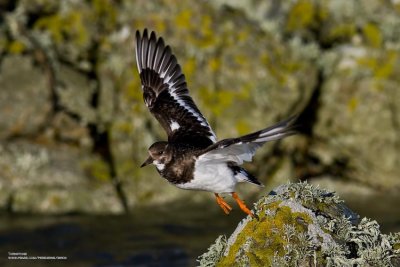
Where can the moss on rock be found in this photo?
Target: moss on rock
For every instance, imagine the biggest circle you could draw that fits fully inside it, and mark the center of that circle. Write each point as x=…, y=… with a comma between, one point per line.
x=302, y=225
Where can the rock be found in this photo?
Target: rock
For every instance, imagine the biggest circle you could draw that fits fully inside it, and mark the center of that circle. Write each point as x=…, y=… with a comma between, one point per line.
x=362, y=198
x=302, y=225
x=46, y=179
x=247, y=64
x=356, y=133
x=81, y=199
x=359, y=123
x=24, y=96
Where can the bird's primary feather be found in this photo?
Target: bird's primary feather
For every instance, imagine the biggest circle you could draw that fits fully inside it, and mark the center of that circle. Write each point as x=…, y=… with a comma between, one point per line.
x=166, y=95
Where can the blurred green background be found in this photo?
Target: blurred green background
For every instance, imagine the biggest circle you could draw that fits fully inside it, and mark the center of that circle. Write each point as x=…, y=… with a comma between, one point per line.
x=74, y=128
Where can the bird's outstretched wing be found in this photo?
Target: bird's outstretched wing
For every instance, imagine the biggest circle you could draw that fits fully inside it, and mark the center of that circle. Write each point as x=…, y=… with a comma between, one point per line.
x=166, y=95
x=243, y=148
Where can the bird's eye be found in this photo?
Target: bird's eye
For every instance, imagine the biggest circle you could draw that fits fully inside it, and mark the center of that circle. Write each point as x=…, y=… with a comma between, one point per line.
x=160, y=153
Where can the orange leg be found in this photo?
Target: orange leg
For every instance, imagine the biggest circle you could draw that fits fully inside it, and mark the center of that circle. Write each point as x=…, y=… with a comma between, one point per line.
x=221, y=202
x=241, y=204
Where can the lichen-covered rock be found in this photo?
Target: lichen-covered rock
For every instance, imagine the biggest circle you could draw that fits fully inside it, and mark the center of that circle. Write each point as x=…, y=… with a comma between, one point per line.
x=79, y=199
x=357, y=118
x=46, y=179
x=23, y=98
x=68, y=75
x=302, y=225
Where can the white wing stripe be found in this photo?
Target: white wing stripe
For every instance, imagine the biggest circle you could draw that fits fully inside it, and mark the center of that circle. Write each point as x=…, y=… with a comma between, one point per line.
x=166, y=68
x=158, y=70
x=174, y=125
x=272, y=131
x=193, y=112
x=148, y=54
x=270, y=138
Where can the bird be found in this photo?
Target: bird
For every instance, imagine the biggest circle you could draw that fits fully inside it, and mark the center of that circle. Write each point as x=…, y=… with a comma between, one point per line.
x=192, y=158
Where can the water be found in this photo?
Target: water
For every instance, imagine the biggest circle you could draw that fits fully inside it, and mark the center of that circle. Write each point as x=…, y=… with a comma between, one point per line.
x=168, y=236
x=147, y=238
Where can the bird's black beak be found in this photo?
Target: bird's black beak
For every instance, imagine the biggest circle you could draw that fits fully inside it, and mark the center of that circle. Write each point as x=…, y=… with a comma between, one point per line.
x=148, y=161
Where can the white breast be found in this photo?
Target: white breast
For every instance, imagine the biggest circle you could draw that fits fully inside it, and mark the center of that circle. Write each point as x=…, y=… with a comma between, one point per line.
x=159, y=166
x=213, y=177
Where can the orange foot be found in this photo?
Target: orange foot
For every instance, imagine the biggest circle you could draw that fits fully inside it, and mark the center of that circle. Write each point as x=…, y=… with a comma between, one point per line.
x=221, y=202
x=242, y=206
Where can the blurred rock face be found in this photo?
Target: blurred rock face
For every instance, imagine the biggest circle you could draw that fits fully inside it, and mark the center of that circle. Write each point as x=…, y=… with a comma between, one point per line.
x=24, y=96
x=359, y=121
x=73, y=114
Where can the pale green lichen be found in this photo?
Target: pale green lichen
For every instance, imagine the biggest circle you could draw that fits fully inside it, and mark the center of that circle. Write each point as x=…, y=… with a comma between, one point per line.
x=302, y=225
x=214, y=253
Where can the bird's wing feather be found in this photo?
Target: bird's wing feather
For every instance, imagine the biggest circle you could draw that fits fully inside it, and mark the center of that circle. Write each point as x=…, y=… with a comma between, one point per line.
x=243, y=148
x=166, y=95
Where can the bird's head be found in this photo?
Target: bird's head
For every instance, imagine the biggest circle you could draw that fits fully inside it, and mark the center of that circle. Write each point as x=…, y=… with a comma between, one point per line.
x=158, y=155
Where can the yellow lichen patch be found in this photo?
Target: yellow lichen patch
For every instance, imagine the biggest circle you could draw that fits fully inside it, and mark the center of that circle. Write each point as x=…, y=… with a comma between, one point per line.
x=217, y=101
x=55, y=200
x=189, y=67
x=243, y=35
x=97, y=169
x=341, y=31
x=353, y=103
x=301, y=15
x=322, y=11
x=16, y=47
x=372, y=35
x=69, y=26
x=214, y=64
x=242, y=126
x=240, y=59
x=124, y=127
x=182, y=19
x=131, y=88
x=269, y=236
x=206, y=28
x=382, y=66
x=387, y=65
x=105, y=11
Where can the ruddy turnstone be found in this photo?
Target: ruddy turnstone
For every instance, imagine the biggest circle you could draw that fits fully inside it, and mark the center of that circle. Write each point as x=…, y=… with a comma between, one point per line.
x=192, y=158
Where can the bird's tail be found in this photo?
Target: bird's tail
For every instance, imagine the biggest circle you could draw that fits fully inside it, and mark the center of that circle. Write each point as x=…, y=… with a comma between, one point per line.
x=242, y=175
